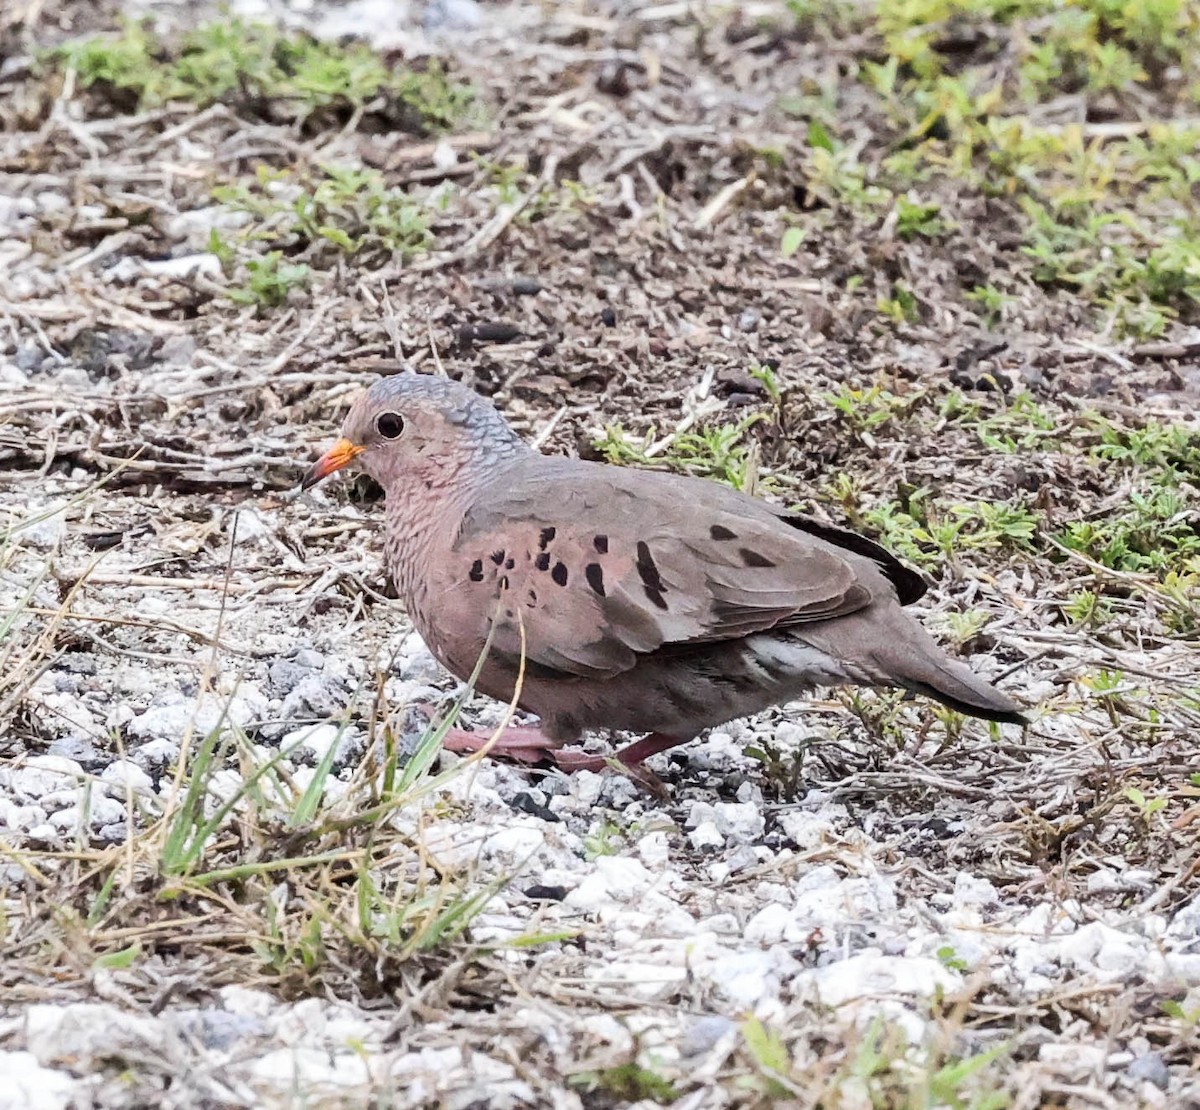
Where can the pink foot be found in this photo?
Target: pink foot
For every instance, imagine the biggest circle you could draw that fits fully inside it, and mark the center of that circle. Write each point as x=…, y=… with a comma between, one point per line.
x=530, y=745
x=520, y=742
x=628, y=759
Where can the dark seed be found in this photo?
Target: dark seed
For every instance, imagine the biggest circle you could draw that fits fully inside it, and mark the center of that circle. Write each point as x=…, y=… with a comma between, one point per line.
x=509, y=564
x=559, y=573
x=608, y=317
x=497, y=557
x=546, y=536
x=595, y=577
x=542, y=562
x=601, y=544
x=498, y=332
x=476, y=574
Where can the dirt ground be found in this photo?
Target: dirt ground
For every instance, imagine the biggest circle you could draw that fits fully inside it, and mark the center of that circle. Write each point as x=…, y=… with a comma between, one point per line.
x=633, y=241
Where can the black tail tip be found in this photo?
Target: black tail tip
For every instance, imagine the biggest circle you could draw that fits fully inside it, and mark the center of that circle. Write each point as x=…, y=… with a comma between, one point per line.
x=1003, y=716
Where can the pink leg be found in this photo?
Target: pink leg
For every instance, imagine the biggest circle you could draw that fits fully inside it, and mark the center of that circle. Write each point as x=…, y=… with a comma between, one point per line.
x=627, y=759
x=632, y=755
x=530, y=745
x=520, y=742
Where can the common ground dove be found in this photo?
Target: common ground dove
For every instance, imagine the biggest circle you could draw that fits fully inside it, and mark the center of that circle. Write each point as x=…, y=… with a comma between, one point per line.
x=641, y=601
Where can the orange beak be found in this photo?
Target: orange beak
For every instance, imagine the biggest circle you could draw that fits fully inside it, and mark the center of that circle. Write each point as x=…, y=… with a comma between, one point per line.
x=339, y=455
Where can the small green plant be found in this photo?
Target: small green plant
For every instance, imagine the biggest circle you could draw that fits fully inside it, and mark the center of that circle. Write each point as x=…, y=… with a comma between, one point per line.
x=1155, y=531
x=248, y=65
x=604, y=839
x=723, y=452
x=792, y=240
x=269, y=280
x=992, y=302
x=881, y=1070
x=965, y=626
x=783, y=771
x=916, y=219
x=951, y=959
x=1087, y=608
x=902, y=307
x=348, y=208
x=1146, y=807
x=770, y=383
x=866, y=410
x=627, y=1082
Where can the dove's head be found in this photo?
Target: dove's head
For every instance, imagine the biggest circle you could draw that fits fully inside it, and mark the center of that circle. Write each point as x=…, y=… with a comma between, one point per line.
x=415, y=427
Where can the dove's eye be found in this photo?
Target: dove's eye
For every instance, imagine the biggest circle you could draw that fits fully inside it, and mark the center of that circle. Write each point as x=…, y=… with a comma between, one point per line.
x=389, y=424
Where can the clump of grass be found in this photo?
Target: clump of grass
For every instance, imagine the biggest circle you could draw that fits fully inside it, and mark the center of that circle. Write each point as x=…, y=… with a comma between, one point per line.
x=723, y=452
x=877, y=1069
x=269, y=281
x=309, y=222
x=293, y=887
x=1110, y=219
x=260, y=69
x=338, y=209
x=278, y=875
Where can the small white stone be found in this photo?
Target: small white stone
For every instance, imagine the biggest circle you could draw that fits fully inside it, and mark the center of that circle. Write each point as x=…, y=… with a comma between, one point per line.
x=806, y=830
x=122, y=775
x=517, y=841
x=1073, y=1061
x=654, y=849
x=768, y=925
x=586, y=786
x=872, y=976
x=745, y=978
x=47, y=533
x=30, y=1086
x=706, y=835
x=251, y=1003
x=316, y=739
x=20, y=818
x=740, y=822
x=208, y=265
x=972, y=891
x=42, y=775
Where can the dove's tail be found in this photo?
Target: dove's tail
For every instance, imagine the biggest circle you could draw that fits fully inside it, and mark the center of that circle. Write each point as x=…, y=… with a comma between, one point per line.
x=915, y=662
x=890, y=649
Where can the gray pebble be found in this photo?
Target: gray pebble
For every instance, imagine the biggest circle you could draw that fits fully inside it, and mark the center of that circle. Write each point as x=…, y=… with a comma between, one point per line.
x=703, y=1034
x=1151, y=1068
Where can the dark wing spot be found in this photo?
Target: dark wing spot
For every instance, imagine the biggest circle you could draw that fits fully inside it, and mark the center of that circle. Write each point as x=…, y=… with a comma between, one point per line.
x=476, y=574
x=559, y=573
x=753, y=559
x=542, y=562
x=719, y=533
x=544, y=539
x=656, y=596
x=595, y=577
x=497, y=557
x=600, y=543
x=648, y=570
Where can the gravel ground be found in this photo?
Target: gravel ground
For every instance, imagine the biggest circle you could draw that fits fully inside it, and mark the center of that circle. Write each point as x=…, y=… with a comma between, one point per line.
x=849, y=902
